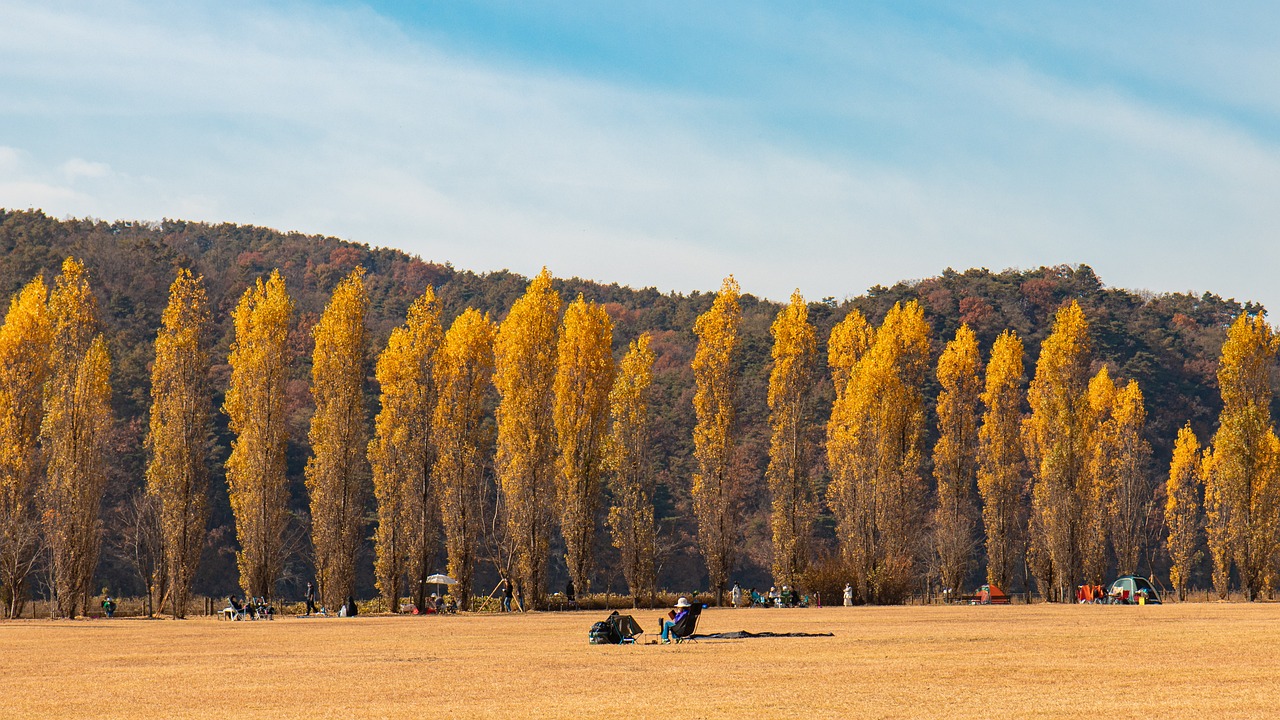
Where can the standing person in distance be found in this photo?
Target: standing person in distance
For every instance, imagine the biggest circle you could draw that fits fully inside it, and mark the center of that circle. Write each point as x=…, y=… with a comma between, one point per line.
x=310, y=597
x=848, y=595
x=507, y=593
x=736, y=595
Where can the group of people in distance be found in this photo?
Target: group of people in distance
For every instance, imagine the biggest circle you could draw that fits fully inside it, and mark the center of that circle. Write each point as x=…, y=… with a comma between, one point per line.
x=437, y=605
x=348, y=609
x=786, y=597
x=251, y=609
x=508, y=592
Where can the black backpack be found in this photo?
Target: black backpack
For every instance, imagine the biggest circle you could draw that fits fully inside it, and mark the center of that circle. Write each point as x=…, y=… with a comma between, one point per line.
x=603, y=633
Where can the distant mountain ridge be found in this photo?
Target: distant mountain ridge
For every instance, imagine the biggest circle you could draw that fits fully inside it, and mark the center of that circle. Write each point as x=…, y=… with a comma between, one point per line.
x=1169, y=343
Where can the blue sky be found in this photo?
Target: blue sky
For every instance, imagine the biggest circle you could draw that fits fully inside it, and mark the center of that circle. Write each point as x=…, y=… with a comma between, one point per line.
x=827, y=147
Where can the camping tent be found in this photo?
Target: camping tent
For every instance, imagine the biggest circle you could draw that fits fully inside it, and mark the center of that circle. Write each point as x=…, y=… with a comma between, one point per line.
x=992, y=595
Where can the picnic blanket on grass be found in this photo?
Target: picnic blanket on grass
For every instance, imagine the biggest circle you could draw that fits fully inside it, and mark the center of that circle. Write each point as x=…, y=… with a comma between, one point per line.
x=744, y=635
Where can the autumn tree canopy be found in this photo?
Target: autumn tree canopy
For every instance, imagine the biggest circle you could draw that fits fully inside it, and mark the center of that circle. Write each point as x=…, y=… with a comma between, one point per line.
x=1056, y=437
x=1002, y=468
x=584, y=377
x=955, y=458
x=177, y=475
x=24, y=351
x=1242, y=487
x=1182, y=510
x=791, y=485
x=715, y=490
x=525, y=353
x=629, y=461
x=73, y=436
x=337, y=474
x=402, y=454
x=255, y=404
x=463, y=373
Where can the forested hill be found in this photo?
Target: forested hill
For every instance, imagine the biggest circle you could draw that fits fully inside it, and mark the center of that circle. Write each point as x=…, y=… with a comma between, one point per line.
x=1168, y=343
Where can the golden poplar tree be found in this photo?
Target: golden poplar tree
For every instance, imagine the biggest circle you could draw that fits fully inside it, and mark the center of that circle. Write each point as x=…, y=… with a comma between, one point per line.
x=1243, y=482
x=848, y=342
x=402, y=453
x=24, y=351
x=1217, y=526
x=1129, y=502
x=177, y=477
x=790, y=453
x=628, y=459
x=524, y=373
x=955, y=457
x=73, y=436
x=464, y=370
x=715, y=494
x=1056, y=437
x=1002, y=468
x=336, y=474
x=584, y=376
x=1097, y=486
x=255, y=405
x=875, y=439
x=1182, y=510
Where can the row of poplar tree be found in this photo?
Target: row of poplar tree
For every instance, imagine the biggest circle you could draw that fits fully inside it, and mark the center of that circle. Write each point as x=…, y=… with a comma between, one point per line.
x=1063, y=488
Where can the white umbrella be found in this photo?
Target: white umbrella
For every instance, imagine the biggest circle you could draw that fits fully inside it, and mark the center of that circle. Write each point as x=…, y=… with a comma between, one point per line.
x=439, y=579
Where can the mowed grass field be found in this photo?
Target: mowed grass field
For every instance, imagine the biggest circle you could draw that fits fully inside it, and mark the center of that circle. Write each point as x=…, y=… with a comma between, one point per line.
x=1187, y=660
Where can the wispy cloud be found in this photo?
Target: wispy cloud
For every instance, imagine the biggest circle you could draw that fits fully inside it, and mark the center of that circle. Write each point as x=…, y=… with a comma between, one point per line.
x=338, y=120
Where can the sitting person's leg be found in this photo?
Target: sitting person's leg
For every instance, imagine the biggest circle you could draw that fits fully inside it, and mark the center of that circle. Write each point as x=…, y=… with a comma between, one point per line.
x=667, y=625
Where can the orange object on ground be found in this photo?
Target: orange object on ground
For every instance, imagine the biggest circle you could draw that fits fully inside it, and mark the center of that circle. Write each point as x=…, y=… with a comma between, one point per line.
x=992, y=595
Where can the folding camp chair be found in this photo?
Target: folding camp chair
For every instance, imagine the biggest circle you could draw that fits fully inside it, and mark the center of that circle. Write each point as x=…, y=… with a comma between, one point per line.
x=625, y=628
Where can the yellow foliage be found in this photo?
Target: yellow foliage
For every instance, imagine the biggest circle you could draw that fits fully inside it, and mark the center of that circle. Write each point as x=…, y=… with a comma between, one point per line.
x=336, y=474
x=524, y=373
x=715, y=493
x=402, y=452
x=631, y=517
x=464, y=369
x=874, y=451
x=1001, y=464
x=1129, y=502
x=74, y=436
x=1182, y=510
x=584, y=376
x=255, y=405
x=1098, y=485
x=790, y=483
x=1242, y=490
x=179, y=433
x=24, y=350
x=1217, y=525
x=849, y=340
x=1056, y=438
x=955, y=461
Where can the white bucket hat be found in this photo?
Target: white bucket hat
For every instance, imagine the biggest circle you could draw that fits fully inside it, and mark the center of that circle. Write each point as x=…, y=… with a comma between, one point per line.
x=683, y=603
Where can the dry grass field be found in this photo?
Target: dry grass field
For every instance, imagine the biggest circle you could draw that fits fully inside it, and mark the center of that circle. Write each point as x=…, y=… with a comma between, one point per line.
x=1189, y=660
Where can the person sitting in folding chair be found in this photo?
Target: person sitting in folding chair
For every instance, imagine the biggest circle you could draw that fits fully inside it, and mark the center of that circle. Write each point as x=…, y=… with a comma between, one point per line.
x=234, y=610
x=683, y=621
x=681, y=612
